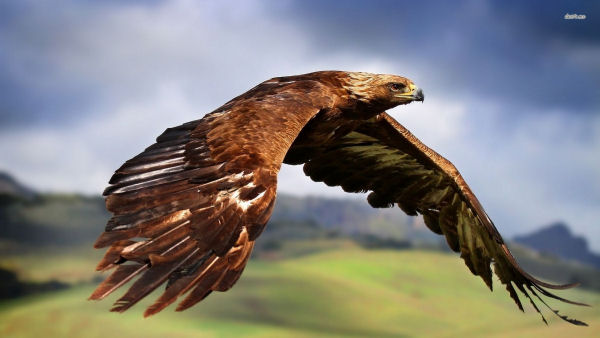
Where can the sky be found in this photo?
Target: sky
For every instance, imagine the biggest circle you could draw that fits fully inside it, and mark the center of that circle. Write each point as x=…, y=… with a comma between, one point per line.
x=512, y=88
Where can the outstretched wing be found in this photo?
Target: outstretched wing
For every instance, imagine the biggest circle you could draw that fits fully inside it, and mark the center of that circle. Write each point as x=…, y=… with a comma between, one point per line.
x=381, y=156
x=188, y=209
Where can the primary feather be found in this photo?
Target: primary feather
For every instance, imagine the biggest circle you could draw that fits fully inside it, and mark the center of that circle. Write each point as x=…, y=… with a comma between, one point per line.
x=187, y=210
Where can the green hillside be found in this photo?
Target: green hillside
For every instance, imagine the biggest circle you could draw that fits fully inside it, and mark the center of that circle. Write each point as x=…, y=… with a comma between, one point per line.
x=312, y=277
x=348, y=291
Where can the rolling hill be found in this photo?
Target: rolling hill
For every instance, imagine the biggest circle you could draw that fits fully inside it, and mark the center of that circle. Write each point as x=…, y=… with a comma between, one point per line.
x=347, y=291
x=319, y=270
x=35, y=226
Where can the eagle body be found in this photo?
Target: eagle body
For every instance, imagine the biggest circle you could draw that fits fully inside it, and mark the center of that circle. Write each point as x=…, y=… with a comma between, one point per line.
x=188, y=209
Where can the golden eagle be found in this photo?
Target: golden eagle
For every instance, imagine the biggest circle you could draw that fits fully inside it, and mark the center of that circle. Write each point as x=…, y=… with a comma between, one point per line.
x=188, y=209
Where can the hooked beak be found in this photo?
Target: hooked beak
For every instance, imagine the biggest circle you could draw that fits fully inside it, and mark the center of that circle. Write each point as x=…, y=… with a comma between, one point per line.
x=415, y=94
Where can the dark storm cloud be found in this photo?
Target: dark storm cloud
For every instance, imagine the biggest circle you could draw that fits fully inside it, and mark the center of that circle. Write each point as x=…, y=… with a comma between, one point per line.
x=61, y=63
x=33, y=87
x=539, y=19
x=516, y=52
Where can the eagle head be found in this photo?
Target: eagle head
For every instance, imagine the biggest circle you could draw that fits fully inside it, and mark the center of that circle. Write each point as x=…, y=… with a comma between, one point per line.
x=382, y=91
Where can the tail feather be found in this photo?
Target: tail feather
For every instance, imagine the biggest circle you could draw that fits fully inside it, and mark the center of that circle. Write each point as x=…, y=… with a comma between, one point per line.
x=113, y=255
x=203, y=287
x=181, y=283
x=162, y=267
x=122, y=275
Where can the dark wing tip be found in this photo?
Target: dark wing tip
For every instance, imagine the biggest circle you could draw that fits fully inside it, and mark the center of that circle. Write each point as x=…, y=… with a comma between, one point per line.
x=534, y=280
x=565, y=286
x=549, y=285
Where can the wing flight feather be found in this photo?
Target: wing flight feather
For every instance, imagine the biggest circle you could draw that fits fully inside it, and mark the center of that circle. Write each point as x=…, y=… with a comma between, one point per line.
x=187, y=210
x=383, y=157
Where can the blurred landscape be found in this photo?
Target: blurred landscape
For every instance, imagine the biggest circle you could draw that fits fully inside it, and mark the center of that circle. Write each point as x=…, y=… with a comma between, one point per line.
x=323, y=267
x=513, y=100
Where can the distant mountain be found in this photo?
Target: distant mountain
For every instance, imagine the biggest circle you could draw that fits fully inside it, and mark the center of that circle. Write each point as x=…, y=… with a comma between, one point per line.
x=557, y=239
x=11, y=187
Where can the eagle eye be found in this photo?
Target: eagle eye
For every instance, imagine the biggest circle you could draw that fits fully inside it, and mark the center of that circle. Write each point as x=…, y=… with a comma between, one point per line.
x=397, y=87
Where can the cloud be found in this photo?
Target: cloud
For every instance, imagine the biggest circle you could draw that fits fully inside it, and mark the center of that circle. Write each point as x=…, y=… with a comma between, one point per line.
x=512, y=91
x=102, y=54
x=541, y=170
x=82, y=157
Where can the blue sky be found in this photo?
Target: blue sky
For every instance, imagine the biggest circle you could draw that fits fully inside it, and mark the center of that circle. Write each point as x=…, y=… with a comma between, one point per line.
x=513, y=89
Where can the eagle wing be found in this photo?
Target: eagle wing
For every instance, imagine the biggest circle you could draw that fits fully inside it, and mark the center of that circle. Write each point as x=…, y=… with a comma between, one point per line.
x=383, y=157
x=186, y=211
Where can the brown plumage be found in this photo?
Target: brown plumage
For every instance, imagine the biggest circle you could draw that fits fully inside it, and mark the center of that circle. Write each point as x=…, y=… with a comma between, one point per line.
x=188, y=209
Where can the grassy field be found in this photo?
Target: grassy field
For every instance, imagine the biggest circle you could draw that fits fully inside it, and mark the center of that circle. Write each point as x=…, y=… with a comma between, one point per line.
x=344, y=292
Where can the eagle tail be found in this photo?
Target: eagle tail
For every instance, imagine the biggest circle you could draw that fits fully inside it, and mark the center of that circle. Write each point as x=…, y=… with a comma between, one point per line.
x=161, y=268
x=210, y=273
x=119, y=277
